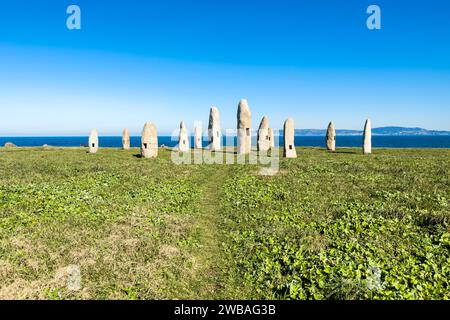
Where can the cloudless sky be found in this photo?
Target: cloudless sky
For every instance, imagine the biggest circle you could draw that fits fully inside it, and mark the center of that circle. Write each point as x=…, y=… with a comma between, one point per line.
x=169, y=60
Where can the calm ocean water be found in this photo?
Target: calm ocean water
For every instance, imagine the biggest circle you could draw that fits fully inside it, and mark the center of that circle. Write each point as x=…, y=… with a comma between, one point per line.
x=301, y=141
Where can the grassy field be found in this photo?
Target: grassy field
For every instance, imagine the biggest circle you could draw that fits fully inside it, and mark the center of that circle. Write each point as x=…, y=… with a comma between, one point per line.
x=327, y=226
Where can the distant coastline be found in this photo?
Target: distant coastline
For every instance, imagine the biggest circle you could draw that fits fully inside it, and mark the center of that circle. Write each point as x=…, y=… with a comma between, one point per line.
x=342, y=141
x=381, y=131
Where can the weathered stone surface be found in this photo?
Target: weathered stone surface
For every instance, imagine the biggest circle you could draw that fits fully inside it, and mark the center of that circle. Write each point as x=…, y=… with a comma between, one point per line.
x=271, y=138
x=149, y=141
x=367, y=137
x=10, y=145
x=198, y=137
x=93, y=141
x=331, y=137
x=244, y=127
x=183, y=140
x=214, y=135
x=125, y=139
x=288, y=134
x=263, y=138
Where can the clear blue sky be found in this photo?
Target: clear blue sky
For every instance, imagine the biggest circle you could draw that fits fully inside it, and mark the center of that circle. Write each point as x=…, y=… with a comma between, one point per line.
x=164, y=61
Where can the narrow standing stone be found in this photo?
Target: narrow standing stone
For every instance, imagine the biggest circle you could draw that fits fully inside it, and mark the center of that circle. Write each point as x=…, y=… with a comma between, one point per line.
x=271, y=138
x=125, y=139
x=263, y=135
x=183, y=140
x=331, y=137
x=214, y=135
x=288, y=134
x=93, y=141
x=244, y=124
x=367, y=138
x=149, y=141
x=198, y=137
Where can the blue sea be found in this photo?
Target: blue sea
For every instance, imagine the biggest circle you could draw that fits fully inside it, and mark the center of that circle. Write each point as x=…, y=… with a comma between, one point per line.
x=300, y=141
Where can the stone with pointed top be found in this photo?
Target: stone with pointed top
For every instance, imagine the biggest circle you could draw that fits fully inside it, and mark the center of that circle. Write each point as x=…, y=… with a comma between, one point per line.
x=288, y=134
x=263, y=135
x=271, y=138
x=214, y=135
x=183, y=139
x=126, y=139
x=244, y=126
x=93, y=141
x=149, y=141
x=331, y=137
x=198, y=137
x=367, y=137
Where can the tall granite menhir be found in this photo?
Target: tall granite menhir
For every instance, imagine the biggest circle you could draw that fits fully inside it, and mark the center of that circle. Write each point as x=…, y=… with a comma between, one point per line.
x=367, y=137
x=263, y=138
x=149, y=141
x=288, y=134
x=331, y=137
x=93, y=141
x=125, y=139
x=214, y=135
x=244, y=125
x=183, y=139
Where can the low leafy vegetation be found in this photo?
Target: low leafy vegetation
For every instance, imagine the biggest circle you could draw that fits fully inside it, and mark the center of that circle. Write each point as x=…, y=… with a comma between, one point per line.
x=341, y=226
x=327, y=226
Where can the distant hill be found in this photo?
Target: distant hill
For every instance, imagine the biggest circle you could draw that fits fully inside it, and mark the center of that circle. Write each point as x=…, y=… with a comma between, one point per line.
x=382, y=131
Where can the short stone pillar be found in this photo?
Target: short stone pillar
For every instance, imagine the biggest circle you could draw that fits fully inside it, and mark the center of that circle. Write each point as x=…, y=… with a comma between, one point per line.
x=263, y=138
x=149, y=141
x=367, y=137
x=183, y=139
x=288, y=136
x=198, y=137
x=331, y=137
x=271, y=138
x=126, y=139
x=93, y=141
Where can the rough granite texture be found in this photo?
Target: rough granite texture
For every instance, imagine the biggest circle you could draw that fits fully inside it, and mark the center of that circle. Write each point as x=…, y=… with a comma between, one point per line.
x=214, y=135
x=263, y=139
x=183, y=139
x=331, y=137
x=244, y=126
x=125, y=139
x=367, y=137
x=93, y=141
x=288, y=134
x=149, y=141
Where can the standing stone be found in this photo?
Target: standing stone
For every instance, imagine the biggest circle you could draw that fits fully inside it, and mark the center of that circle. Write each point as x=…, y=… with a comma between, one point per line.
x=263, y=135
x=183, y=140
x=331, y=137
x=149, y=141
x=93, y=141
x=198, y=137
x=244, y=124
x=214, y=135
x=271, y=138
x=288, y=134
x=367, y=137
x=125, y=139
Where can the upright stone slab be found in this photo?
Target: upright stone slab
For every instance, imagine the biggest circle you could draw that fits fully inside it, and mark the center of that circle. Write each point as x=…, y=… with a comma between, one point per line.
x=183, y=139
x=214, y=135
x=125, y=139
x=149, y=141
x=263, y=135
x=244, y=126
x=198, y=137
x=367, y=137
x=331, y=137
x=93, y=141
x=288, y=134
x=271, y=138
